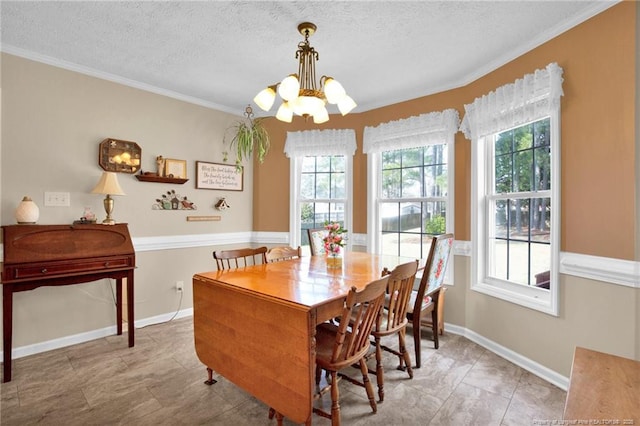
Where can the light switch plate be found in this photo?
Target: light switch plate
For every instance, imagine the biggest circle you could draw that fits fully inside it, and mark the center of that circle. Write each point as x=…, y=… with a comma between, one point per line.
x=57, y=199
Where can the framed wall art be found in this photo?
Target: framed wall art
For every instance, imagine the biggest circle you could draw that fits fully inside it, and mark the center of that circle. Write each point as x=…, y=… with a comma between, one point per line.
x=115, y=155
x=225, y=177
x=175, y=168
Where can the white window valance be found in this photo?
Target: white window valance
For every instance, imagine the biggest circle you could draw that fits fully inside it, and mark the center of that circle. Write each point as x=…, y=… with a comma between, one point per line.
x=527, y=99
x=425, y=129
x=320, y=142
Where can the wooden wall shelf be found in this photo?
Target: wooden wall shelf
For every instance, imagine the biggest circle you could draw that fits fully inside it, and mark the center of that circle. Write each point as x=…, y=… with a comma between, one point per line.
x=158, y=179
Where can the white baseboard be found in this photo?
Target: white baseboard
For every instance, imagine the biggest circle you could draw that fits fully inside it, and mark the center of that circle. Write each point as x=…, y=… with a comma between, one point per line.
x=521, y=361
x=506, y=353
x=75, y=339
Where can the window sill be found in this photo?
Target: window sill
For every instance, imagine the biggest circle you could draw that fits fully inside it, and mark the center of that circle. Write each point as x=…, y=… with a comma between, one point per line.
x=529, y=297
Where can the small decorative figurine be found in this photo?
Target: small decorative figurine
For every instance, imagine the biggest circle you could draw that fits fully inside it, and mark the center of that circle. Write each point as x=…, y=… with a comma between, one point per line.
x=222, y=204
x=173, y=201
x=88, y=215
x=160, y=164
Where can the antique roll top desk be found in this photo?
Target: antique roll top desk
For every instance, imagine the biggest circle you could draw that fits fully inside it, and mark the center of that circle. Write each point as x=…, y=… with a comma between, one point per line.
x=55, y=255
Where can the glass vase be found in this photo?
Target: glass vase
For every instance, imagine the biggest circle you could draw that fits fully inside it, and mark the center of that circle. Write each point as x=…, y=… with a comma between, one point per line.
x=334, y=261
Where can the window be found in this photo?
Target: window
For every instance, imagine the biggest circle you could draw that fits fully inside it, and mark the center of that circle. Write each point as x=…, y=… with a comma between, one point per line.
x=413, y=199
x=515, y=135
x=519, y=204
x=323, y=192
x=321, y=181
x=410, y=189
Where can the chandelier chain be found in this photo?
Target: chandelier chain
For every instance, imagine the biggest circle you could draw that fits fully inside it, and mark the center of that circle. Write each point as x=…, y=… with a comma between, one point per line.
x=307, y=56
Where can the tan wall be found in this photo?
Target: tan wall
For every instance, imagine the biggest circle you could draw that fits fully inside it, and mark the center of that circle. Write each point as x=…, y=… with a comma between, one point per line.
x=52, y=123
x=74, y=113
x=599, y=184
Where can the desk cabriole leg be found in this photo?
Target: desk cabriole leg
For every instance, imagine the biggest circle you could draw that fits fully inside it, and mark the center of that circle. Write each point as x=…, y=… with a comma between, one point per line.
x=130, y=316
x=119, y=306
x=7, y=329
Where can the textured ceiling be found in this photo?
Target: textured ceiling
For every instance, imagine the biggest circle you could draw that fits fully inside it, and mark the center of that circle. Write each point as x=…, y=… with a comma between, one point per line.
x=221, y=53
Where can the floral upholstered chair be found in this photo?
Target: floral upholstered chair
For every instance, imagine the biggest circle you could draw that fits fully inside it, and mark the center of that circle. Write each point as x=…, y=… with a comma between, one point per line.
x=423, y=300
x=316, y=243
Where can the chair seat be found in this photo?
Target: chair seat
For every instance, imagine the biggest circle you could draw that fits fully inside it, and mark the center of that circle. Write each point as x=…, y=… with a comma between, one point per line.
x=412, y=302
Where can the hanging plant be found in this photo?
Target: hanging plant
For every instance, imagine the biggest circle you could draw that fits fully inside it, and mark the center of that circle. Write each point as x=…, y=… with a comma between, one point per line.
x=249, y=136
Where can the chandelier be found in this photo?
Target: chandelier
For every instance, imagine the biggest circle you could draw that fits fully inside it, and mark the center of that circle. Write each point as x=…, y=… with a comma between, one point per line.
x=299, y=92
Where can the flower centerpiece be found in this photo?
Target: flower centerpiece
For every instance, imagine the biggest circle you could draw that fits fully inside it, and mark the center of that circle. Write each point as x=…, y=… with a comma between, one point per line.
x=333, y=243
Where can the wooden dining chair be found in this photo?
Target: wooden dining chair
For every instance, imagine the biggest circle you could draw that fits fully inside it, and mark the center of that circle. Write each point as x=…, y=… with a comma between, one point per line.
x=316, y=245
x=346, y=343
x=277, y=254
x=432, y=277
x=238, y=258
x=393, y=319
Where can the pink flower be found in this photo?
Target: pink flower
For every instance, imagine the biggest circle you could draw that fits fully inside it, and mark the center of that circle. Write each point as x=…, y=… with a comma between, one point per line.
x=334, y=241
x=439, y=268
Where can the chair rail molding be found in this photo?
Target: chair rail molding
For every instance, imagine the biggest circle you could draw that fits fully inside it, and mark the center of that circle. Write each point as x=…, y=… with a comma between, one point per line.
x=605, y=269
x=169, y=242
x=614, y=271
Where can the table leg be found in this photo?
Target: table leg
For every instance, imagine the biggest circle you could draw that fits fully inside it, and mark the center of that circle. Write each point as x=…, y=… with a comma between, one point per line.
x=7, y=329
x=130, y=317
x=210, y=381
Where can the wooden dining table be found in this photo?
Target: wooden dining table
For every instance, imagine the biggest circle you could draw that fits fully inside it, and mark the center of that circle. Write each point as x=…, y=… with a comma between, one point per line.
x=255, y=326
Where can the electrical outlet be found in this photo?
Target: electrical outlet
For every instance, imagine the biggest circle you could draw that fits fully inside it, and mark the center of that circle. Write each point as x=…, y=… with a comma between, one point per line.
x=57, y=199
x=179, y=286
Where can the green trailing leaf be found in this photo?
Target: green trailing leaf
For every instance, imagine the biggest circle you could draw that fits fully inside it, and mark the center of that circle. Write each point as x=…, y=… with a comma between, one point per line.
x=250, y=136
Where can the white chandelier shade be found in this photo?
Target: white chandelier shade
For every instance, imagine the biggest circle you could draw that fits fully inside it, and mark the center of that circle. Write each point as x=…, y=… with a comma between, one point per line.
x=298, y=91
x=285, y=113
x=266, y=97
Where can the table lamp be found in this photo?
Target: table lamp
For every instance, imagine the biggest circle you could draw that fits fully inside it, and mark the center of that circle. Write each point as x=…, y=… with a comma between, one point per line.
x=109, y=186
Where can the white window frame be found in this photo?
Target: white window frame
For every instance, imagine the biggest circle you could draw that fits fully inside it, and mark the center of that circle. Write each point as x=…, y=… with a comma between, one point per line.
x=434, y=128
x=329, y=142
x=538, y=98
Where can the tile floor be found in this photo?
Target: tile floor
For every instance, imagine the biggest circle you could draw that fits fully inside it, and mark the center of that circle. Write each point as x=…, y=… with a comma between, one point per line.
x=160, y=382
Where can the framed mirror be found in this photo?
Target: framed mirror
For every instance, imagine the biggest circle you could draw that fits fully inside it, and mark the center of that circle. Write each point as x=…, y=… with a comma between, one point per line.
x=120, y=156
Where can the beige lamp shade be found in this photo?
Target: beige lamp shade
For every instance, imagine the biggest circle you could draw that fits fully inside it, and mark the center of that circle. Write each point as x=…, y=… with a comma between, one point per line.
x=108, y=185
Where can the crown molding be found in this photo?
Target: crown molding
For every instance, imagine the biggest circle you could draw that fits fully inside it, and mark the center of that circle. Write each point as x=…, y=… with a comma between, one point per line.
x=81, y=69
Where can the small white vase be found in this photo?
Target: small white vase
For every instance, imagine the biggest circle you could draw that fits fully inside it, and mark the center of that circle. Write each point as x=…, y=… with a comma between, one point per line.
x=27, y=212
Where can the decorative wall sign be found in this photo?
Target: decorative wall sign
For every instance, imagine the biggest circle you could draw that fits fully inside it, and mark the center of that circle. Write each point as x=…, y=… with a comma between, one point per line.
x=218, y=176
x=203, y=218
x=116, y=155
x=173, y=201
